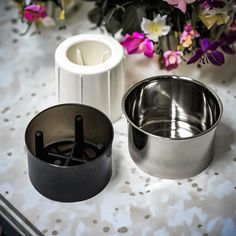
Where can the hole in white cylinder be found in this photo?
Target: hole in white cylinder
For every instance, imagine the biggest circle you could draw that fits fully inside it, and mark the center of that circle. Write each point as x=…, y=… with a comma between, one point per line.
x=89, y=53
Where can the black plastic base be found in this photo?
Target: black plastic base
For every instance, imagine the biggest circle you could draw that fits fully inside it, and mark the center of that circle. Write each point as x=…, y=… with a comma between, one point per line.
x=69, y=157
x=61, y=153
x=71, y=183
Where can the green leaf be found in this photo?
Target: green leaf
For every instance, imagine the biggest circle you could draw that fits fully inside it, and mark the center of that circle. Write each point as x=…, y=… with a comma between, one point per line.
x=95, y=15
x=113, y=26
x=132, y=19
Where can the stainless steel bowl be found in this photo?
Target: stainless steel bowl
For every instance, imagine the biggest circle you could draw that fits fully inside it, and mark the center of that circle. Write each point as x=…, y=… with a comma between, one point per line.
x=171, y=125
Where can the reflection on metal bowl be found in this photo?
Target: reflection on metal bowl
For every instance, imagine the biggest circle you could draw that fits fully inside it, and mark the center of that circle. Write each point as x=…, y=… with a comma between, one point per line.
x=172, y=123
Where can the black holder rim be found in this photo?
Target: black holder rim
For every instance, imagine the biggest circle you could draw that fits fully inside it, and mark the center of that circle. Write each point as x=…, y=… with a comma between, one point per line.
x=70, y=169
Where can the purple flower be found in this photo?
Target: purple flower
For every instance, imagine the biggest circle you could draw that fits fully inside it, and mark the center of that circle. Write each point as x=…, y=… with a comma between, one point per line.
x=34, y=12
x=206, y=4
x=137, y=43
x=232, y=25
x=226, y=40
x=208, y=50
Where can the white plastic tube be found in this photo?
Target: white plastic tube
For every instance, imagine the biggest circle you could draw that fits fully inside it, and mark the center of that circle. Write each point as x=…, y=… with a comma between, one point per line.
x=89, y=69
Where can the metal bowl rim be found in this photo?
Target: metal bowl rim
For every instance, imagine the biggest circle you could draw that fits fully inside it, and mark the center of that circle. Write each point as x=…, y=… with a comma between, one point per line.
x=155, y=78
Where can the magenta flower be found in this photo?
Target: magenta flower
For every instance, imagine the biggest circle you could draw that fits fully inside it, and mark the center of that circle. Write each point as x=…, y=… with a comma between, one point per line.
x=181, y=4
x=209, y=50
x=172, y=59
x=34, y=12
x=188, y=35
x=137, y=43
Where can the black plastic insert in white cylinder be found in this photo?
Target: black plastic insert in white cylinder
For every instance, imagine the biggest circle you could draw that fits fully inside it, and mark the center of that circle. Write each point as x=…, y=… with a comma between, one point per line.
x=69, y=152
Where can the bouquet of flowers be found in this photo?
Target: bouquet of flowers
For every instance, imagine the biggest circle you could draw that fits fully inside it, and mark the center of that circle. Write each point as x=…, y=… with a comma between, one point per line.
x=194, y=31
x=44, y=12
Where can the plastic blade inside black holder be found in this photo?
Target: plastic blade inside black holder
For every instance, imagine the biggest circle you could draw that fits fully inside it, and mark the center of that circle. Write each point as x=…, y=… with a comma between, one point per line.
x=68, y=152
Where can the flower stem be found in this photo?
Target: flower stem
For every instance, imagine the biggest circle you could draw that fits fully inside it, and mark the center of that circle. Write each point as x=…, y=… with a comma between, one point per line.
x=27, y=30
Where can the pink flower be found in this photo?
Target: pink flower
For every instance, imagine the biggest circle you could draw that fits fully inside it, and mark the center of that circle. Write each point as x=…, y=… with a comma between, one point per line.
x=172, y=59
x=181, y=4
x=137, y=43
x=34, y=12
x=188, y=35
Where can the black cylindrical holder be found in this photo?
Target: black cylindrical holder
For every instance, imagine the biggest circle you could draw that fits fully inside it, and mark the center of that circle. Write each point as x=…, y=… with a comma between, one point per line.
x=69, y=152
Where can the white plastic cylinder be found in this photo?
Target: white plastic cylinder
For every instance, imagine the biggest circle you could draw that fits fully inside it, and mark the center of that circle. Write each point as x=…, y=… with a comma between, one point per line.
x=89, y=69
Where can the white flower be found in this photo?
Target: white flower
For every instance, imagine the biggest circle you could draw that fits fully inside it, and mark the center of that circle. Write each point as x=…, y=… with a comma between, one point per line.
x=155, y=28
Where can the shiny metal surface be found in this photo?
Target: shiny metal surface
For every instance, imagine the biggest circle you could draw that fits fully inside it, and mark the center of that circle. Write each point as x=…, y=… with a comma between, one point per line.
x=172, y=123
